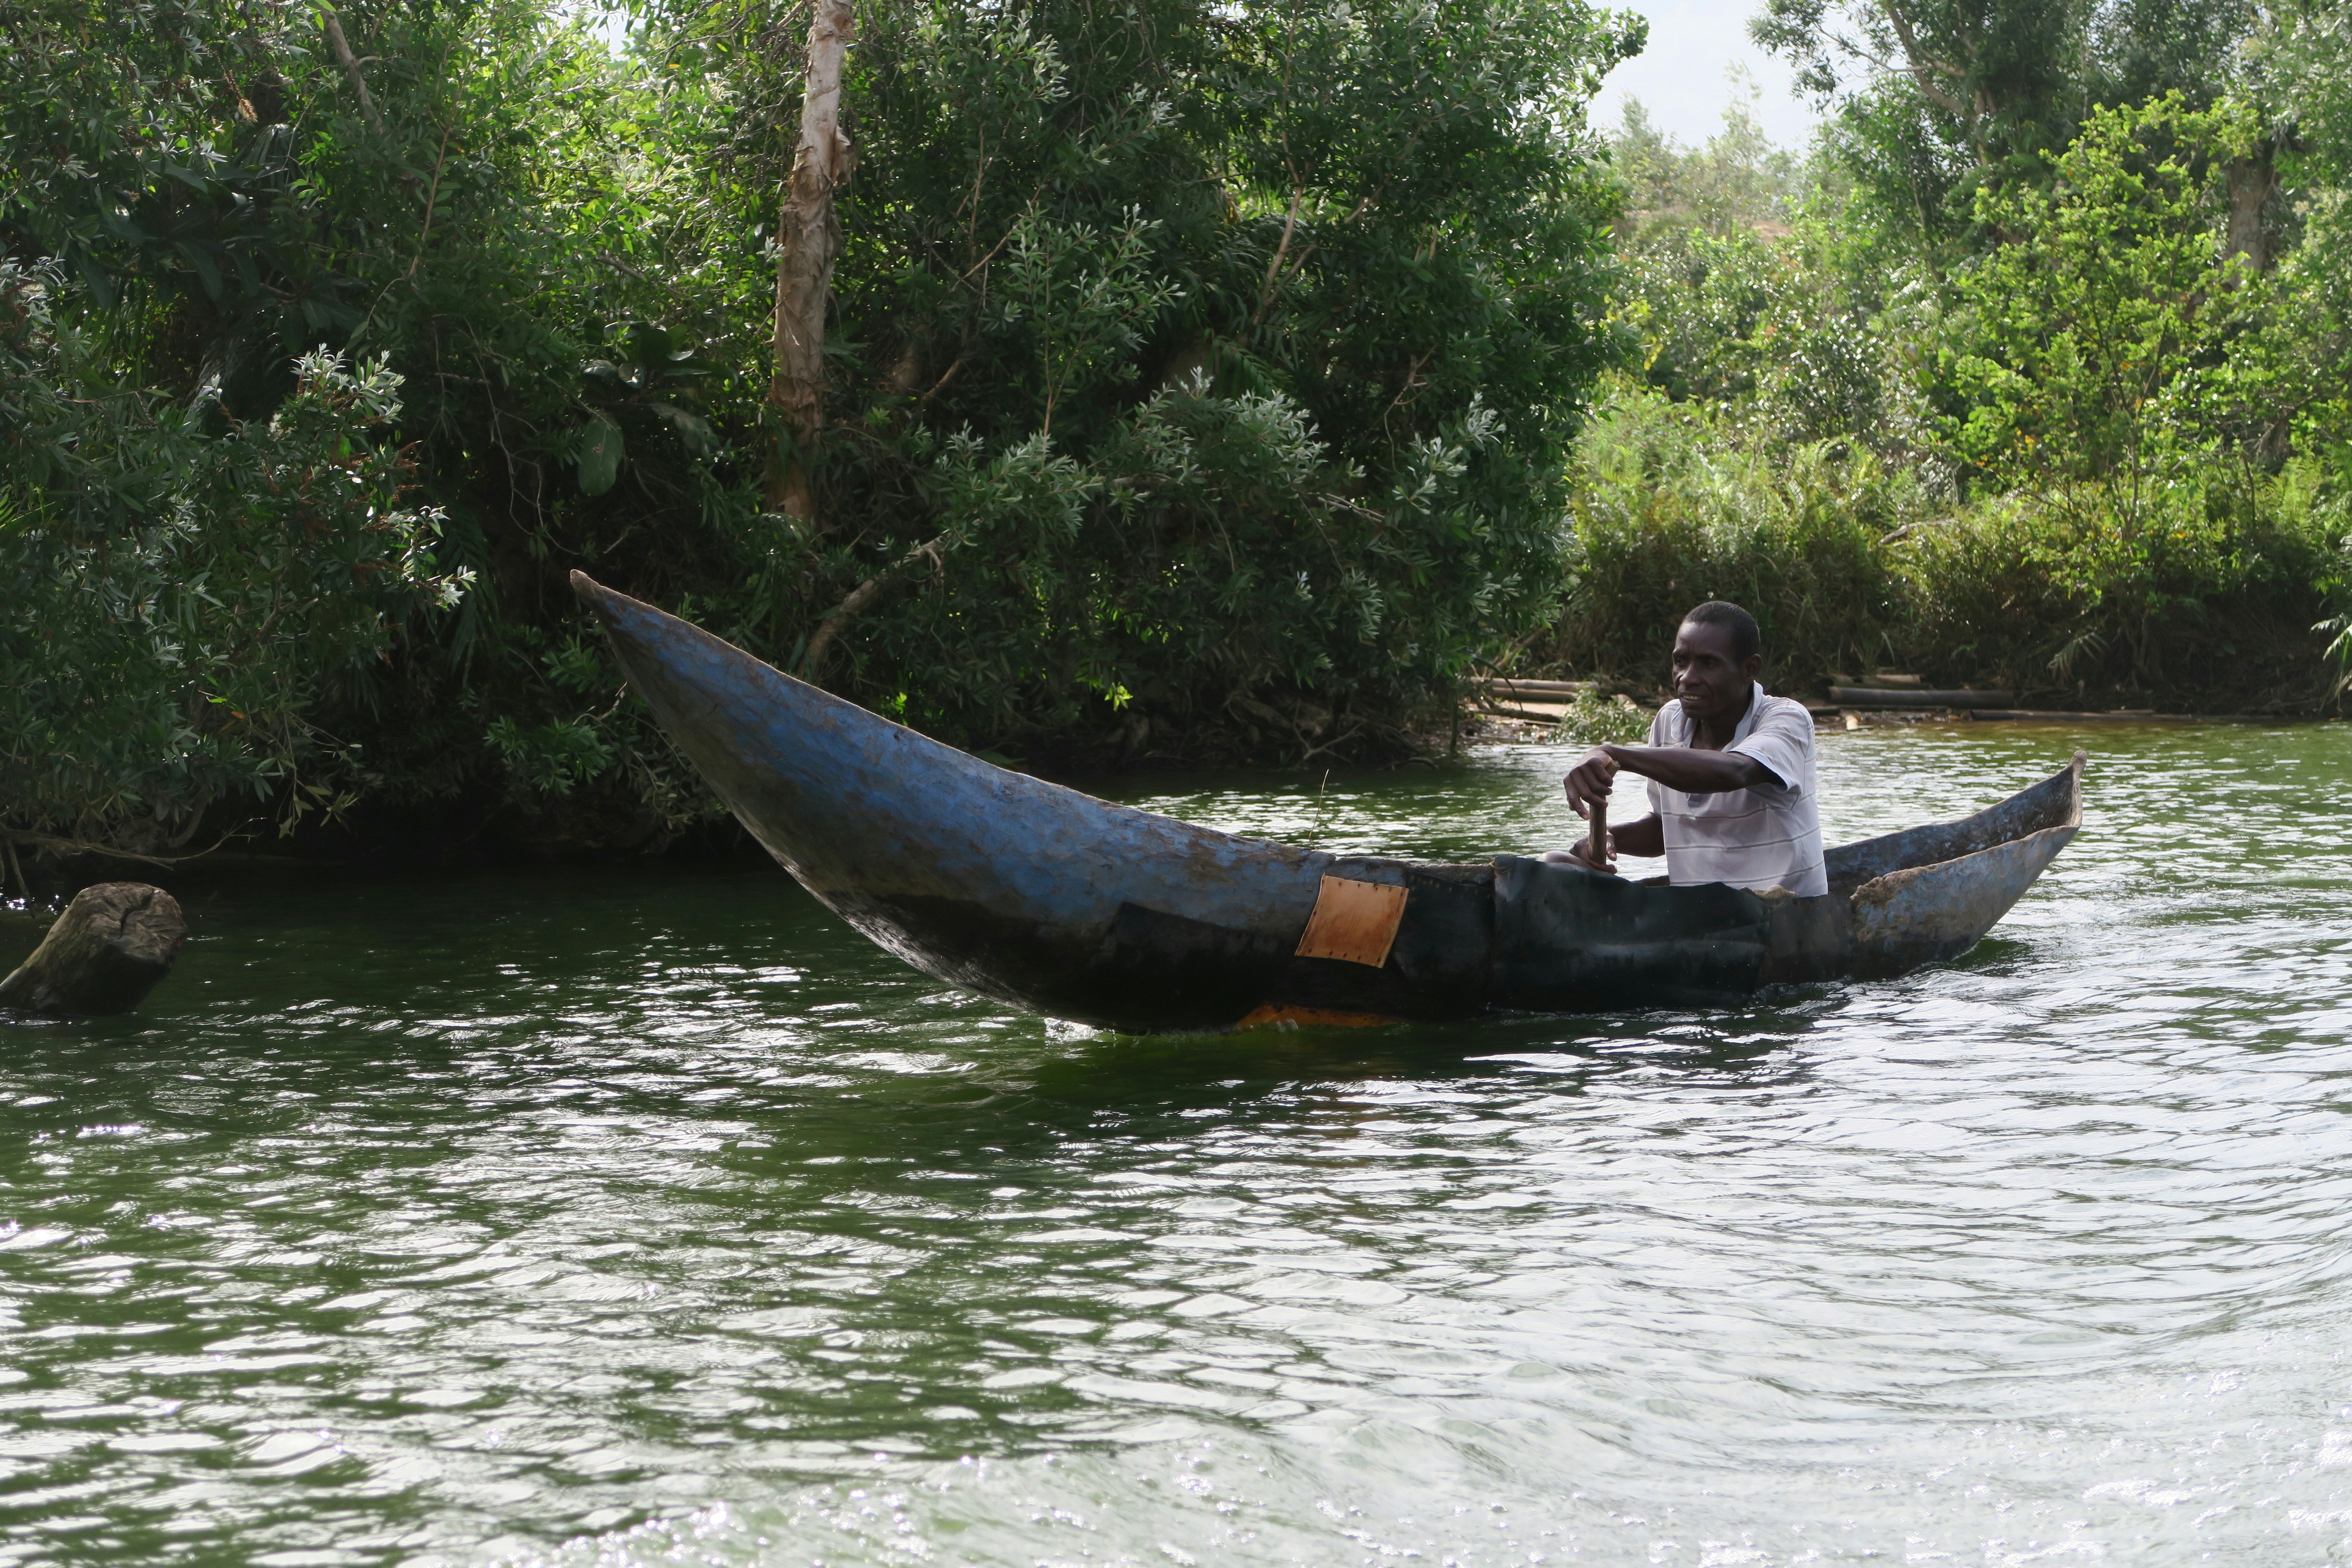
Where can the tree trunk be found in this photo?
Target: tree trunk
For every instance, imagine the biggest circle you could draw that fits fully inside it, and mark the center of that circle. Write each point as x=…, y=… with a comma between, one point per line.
x=114, y=941
x=350, y=62
x=2252, y=182
x=808, y=238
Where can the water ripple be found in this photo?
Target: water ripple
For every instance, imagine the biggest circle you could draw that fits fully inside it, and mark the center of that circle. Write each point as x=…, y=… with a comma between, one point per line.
x=607, y=1219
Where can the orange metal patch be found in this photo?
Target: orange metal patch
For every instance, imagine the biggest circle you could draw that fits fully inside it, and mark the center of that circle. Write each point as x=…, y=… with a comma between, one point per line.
x=1274, y=1015
x=1353, y=921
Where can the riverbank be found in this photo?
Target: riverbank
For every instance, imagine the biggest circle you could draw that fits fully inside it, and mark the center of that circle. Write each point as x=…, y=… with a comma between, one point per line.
x=384, y=845
x=1503, y=710
x=2203, y=595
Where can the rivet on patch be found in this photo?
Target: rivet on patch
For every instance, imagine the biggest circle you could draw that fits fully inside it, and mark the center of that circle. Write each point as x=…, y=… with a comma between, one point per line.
x=1353, y=921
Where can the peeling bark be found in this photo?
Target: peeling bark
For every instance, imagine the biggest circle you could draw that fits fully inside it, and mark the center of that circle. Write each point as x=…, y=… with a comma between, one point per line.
x=2252, y=182
x=808, y=239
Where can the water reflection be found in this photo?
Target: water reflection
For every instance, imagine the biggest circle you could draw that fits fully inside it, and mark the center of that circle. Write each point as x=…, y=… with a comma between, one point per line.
x=657, y=1214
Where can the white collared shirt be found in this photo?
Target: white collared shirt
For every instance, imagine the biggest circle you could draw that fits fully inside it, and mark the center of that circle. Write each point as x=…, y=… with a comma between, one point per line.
x=1766, y=836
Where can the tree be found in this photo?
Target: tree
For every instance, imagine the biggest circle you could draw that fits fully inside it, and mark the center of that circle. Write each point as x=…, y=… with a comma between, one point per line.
x=1956, y=93
x=808, y=238
x=2197, y=48
x=1193, y=363
x=1995, y=77
x=189, y=592
x=1195, y=379
x=2094, y=343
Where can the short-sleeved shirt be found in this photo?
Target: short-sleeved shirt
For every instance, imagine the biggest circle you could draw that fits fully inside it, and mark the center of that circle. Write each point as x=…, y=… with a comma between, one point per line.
x=1769, y=836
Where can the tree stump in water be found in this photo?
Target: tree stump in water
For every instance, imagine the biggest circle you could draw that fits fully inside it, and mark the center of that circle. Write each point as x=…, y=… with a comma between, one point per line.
x=114, y=941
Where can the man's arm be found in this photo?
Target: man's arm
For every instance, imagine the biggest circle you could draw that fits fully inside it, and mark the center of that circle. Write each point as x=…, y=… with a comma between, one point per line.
x=1676, y=767
x=1645, y=837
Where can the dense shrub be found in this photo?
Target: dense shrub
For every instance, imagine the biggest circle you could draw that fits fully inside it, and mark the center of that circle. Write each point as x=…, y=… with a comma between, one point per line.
x=1676, y=504
x=2202, y=591
x=1197, y=366
x=2093, y=454
x=189, y=592
x=2111, y=593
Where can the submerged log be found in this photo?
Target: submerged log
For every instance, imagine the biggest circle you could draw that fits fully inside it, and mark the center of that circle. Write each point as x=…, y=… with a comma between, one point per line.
x=114, y=941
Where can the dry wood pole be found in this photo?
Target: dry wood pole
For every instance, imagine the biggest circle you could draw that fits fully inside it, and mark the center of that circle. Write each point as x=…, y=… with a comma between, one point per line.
x=808, y=238
x=114, y=941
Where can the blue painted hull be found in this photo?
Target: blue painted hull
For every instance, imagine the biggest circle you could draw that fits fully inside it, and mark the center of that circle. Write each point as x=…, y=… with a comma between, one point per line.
x=1055, y=901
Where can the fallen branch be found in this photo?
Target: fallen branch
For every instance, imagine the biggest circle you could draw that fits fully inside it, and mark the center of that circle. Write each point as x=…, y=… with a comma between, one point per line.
x=432, y=196
x=947, y=376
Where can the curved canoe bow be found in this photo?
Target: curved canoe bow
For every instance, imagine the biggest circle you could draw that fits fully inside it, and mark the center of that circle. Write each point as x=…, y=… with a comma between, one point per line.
x=1057, y=902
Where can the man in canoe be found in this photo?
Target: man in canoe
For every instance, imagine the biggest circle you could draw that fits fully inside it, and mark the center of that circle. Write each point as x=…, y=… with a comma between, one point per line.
x=1730, y=771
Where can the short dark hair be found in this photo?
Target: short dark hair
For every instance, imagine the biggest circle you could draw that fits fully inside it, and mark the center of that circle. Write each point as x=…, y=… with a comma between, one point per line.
x=1747, y=642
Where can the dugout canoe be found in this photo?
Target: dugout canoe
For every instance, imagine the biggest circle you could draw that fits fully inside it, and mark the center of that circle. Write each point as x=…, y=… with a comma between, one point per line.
x=1054, y=902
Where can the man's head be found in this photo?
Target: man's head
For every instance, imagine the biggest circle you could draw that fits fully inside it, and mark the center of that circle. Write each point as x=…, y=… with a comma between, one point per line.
x=1718, y=656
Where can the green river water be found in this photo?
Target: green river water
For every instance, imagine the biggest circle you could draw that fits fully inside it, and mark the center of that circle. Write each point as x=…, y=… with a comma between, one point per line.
x=648, y=1215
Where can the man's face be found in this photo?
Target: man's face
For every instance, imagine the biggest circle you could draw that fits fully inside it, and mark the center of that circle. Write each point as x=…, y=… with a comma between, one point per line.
x=1710, y=682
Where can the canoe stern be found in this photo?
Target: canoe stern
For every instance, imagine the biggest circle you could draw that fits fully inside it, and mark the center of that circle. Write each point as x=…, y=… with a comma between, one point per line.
x=1923, y=913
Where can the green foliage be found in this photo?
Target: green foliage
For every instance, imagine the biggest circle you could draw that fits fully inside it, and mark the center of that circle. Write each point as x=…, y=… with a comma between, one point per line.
x=1594, y=720
x=1675, y=506
x=2306, y=52
x=554, y=758
x=227, y=205
x=189, y=590
x=1751, y=284
x=2141, y=51
x=1201, y=377
x=1699, y=301
x=1850, y=563
x=1738, y=183
x=1190, y=366
x=1239, y=567
x=1934, y=97
x=1700, y=276
x=2013, y=395
x=2192, y=588
x=1935, y=101
x=2093, y=345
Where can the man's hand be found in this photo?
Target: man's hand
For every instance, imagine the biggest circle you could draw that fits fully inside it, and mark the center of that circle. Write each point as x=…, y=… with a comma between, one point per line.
x=1578, y=854
x=1688, y=768
x=1588, y=783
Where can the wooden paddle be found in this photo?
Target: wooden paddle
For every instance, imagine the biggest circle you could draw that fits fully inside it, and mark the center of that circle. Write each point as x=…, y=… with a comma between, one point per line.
x=1596, y=847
